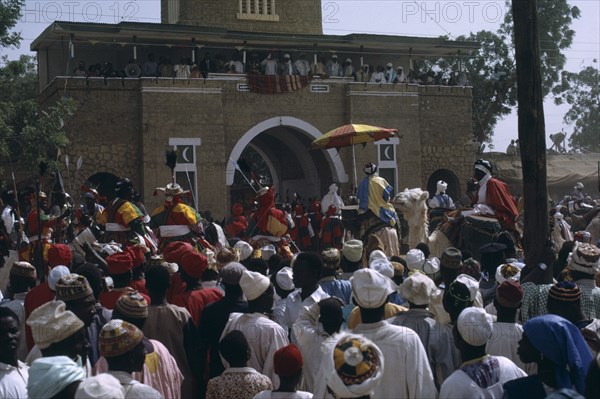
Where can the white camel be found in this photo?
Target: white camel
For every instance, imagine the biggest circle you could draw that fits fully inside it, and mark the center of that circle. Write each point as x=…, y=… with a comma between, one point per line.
x=412, y=204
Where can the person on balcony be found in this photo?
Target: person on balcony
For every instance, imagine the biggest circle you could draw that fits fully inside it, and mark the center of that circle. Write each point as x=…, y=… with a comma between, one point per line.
x=182, y=70
x=207, y=65
x=400, y=78
x=390, y=74
x=319, y=68
x=334, y=68
x=364, y=74
x=302, y=65
x=269, y=65
x=150, y=67
x=378, y=76
x=288, y=67
x=348, y=70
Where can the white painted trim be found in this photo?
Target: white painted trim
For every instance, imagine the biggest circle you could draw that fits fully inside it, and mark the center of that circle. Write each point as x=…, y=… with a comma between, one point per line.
x=395, y=141
x=186, y=90
x=382, y=93
x=185, y=141
x=333, y=158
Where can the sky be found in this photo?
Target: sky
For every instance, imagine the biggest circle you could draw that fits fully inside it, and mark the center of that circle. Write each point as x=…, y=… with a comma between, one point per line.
x=423, y=18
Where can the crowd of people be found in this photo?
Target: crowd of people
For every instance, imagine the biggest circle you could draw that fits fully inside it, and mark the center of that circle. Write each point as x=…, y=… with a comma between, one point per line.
x=136, y=304
x=269, y=64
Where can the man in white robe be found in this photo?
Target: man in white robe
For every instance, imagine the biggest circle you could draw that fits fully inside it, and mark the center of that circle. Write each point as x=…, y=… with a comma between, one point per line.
x=306, y=274
x=481, y=375
x=407, y=372
x=264, y=336
x=314, y=331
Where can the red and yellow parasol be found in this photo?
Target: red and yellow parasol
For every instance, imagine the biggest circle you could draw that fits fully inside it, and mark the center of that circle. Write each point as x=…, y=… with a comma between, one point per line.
x=349, y=135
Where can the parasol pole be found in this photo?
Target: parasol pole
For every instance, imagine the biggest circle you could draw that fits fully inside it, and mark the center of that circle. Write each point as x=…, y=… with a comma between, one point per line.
x=354, y=165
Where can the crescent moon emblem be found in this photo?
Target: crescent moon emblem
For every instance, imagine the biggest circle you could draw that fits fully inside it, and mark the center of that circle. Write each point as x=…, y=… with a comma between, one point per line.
x=386, y=153
x=184, y=154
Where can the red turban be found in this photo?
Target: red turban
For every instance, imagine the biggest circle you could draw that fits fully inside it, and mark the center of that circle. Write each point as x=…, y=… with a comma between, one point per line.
x=138, y=254
x=194, y=264
x=331, y=211
x=119, y=262
x=59, y=254
x=175, y=250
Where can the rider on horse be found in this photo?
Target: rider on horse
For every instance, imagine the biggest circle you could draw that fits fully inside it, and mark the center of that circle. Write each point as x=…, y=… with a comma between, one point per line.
x=492, y=197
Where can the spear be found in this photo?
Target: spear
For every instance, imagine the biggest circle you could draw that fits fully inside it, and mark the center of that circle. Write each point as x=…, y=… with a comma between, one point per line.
x=237, y=167
x=68, y=173
x=79, y=164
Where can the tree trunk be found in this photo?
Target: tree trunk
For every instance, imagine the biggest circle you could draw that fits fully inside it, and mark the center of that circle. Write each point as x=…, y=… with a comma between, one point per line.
x=531, y=130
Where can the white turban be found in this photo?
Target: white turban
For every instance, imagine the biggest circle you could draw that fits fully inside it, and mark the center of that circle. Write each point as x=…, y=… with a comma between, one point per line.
x=102, y=386
x=50, y=375
x=441, y=187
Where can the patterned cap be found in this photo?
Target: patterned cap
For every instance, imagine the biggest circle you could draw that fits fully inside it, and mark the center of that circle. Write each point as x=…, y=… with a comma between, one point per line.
x=472, y=268
x=459, y=293
x=158, y=260
x=118, y=337
x=451, y=258
x=507, y=271
x=52, y=323
x=357, y=367
x=565, y=291
x=226, y=255
x=331, y=258
x=73, y=286
x=133, y=305
x=23, y=269
x=585, y=258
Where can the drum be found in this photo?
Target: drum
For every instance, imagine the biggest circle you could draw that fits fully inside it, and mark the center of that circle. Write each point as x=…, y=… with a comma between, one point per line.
x=478, y=231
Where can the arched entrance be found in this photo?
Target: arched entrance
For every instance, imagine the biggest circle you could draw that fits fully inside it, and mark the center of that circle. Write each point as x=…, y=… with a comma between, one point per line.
x=277, y=151
x=454, y=190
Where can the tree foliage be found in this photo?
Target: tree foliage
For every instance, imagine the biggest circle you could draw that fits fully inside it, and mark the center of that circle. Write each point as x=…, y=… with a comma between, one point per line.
x=28, y=134
x=582, y=92
x=491, y=69
x=10, y=12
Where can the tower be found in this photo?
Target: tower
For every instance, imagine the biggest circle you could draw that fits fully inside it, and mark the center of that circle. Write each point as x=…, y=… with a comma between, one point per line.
x=265, y=16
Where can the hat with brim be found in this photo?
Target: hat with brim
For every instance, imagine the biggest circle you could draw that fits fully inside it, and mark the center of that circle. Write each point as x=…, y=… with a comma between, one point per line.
x=171, y=190
x=585, y=258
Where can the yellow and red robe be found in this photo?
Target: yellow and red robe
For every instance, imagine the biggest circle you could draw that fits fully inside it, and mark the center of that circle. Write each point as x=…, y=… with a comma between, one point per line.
x=175, y=221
